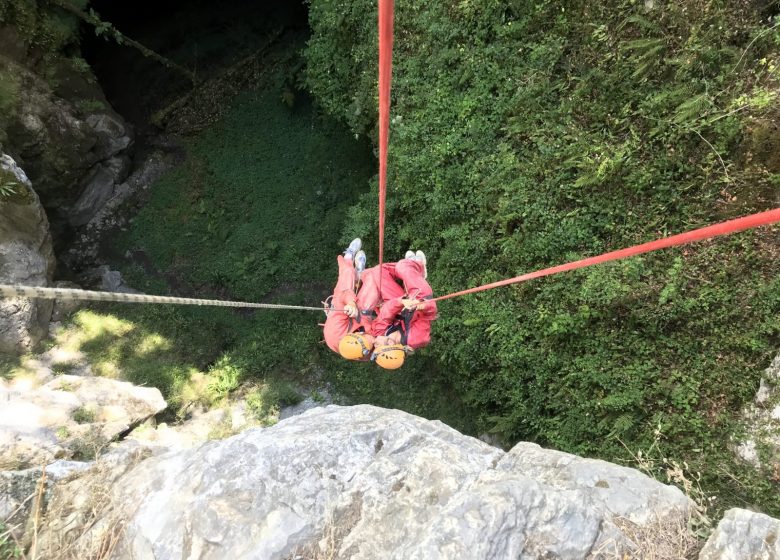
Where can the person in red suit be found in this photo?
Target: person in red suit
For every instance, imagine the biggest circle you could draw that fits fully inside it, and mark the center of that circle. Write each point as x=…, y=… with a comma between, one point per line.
x=380, y=325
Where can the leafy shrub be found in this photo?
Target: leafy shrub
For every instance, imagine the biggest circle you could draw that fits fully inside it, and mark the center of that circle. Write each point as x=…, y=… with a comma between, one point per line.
x=526, y=134
x=8, y=548
x=84, y=415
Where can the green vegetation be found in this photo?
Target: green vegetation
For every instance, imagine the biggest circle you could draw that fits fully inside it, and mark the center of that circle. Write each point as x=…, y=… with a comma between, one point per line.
x=44, y=28
x=8, y=548
x=524, y=134
x=527, y=134
x=254, y=213
x=84, y=415
x=62, y=433
x=264, y=401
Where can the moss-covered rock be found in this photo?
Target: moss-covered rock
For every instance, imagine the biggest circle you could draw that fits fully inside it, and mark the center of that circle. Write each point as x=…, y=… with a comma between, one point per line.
x=26, y=257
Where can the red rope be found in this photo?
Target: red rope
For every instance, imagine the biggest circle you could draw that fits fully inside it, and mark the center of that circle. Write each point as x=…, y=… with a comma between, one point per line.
x=385, y=76
x=724, y=228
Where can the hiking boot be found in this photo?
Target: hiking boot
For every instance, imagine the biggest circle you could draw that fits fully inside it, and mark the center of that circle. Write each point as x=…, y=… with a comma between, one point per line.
x=360, y=263
x=420, y=256
x=353, y=248
x=409, y=255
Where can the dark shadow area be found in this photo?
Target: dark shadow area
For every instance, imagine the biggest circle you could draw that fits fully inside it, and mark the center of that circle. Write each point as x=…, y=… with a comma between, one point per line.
x=204, y=37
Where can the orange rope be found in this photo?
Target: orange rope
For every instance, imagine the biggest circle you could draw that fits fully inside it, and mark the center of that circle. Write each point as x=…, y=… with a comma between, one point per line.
x=385, y=77
x=723, y=228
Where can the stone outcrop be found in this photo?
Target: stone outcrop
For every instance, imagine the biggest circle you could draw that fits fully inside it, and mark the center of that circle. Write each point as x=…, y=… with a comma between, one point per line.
x=61, y=143
x=102, y=202
x=743, y=534
x=26, y=257
x=97, y=189
x=25, y=493
x=363, y=482
x=69, y=417
x=761, y=447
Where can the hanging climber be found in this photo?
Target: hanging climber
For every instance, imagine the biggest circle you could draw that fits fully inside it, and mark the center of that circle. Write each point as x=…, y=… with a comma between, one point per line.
x=391, y=323
x=342, y=316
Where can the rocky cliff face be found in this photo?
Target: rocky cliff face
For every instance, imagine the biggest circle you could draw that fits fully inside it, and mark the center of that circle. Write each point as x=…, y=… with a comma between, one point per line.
x=363, y=482
x=26, y=257
x=70, y=142
x=74, y=149
x=359, y=482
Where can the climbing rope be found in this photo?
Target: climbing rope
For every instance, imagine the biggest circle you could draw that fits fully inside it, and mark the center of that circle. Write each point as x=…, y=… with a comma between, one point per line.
x=723, y=228
x=385, y=77
x=10, y=291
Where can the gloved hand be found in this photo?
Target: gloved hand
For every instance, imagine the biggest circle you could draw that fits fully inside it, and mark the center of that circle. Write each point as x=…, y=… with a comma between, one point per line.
x=413, y=303
x=351, y=309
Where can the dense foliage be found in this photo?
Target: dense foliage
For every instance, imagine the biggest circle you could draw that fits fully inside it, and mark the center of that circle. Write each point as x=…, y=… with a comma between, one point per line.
x=43, y=27
x=528, y=133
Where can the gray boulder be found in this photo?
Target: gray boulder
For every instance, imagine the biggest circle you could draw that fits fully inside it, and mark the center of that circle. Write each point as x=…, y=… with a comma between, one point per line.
x=363, y=483
x=98, y=188
x=26, y=257
x=55, y=139
x=113, y=134
x=762, y=422
x=23, y=493
x=744, y=535
x=69, y=417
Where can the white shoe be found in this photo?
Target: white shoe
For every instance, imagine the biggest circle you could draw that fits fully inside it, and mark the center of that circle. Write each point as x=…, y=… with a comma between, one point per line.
x=420, y=256
x=353, y=248
x=360, y=263
x=409, y=255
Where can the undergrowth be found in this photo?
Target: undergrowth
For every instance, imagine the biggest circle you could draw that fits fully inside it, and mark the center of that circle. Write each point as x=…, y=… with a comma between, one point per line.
x=255, y=213
x=527, y=134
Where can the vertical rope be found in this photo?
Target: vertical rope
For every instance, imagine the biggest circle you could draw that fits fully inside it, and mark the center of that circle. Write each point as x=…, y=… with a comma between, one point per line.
x=385, y=76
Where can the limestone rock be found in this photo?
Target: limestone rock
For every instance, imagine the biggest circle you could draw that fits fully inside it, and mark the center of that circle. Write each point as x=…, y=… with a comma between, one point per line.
x=98, y=188
x=743, y=535
x=362, y=482
x=19, y=492
x=57, y=140
x=113, y=134
x=762, y=419
x=112, y=281
x=26, y=257
x=200, y=428
x=107, y=219
x=64, y=308
x=69, y=417
x=76, y=503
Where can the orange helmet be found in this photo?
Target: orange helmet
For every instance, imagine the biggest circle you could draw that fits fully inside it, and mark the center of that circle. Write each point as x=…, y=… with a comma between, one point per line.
x=390, y=356
x=355, y=346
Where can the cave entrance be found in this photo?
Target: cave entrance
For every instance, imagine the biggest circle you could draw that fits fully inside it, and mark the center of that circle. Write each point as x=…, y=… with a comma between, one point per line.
x=202, y=36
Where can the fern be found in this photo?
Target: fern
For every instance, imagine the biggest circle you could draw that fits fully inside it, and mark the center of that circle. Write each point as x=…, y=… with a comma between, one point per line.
x=689, y=111
x=646, y=55
x=7, y=189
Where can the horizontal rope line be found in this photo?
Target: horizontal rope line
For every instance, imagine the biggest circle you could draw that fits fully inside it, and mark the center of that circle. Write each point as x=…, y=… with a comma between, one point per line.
x=10, y=291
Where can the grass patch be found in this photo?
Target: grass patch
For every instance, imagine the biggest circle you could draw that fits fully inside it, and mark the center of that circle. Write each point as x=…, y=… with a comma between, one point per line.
x=266, y=401
x=84, y=415
x=8, y=364
x=255, y=213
